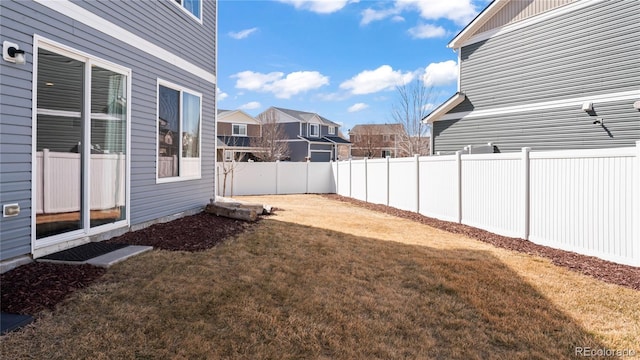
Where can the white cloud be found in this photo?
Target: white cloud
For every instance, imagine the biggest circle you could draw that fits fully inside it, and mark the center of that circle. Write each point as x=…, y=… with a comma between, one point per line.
x=319, y=6
x=357, y=107
x=459, y=11
x=242, y=34
x=371, y=81
x=371, y=15
x=250, y=105
x=429, y=107
x=278, y=84
x=221, y=95
x=442, y=73
x=426, y=31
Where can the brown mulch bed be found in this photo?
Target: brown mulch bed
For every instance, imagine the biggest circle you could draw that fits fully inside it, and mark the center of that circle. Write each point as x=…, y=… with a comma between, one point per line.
x=624, y=275
x=31, y=288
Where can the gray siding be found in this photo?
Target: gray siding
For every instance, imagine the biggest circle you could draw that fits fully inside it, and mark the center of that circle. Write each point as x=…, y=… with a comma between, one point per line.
x=552, y=129
x=20, y=20
x=291, y=130
x=560, y=58
x=298, y=150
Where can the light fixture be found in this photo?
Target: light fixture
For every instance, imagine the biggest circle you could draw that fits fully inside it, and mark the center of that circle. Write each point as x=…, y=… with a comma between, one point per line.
x=587, y=106
x=636, y=105
x=11, y=52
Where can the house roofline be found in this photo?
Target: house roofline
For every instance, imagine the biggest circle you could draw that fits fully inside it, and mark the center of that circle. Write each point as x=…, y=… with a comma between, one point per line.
x=476, y=23
x=444, y=108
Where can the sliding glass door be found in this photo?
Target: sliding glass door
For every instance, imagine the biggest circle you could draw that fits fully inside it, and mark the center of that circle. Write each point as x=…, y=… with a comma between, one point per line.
x=81, y=144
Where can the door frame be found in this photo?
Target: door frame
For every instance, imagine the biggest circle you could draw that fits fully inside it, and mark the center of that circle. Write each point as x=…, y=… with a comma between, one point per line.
x=81, y=235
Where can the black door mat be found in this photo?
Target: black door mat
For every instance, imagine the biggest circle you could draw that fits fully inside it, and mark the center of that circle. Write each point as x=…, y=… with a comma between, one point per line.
x=84, y=252
x=10, y=322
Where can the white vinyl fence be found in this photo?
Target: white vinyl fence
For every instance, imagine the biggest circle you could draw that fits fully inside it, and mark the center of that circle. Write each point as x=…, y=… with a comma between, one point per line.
x=58, y=178
x=268, y=178
x=586, y=201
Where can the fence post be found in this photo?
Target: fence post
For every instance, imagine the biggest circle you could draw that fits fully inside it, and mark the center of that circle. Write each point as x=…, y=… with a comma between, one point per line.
x=526, y=191
x=636, y=208
x=337, y=177
x=306, y=189
x=459, y=185
x=417, y=158
x=388, y=179
x=350, y=178
x=366, y=181
x=44, y=191
x=277, y=187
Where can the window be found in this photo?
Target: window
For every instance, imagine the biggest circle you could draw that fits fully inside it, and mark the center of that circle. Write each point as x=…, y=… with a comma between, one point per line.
x=332, y=130
x=386, y=153
x=314, y=130
x=239, y=129
x=228, y=155
x=386, y=138
x=81, y=143
x=194, y=7
x=179, y=114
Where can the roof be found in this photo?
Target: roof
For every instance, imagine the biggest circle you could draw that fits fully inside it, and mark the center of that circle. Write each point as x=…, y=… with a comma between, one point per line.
x=236, y=116
x=476, y=23
x=444, y=108
x=337, y=140
x=380, y=129
x=305, y=116
x=500, y=14
x=234, y=141
x=326, y=139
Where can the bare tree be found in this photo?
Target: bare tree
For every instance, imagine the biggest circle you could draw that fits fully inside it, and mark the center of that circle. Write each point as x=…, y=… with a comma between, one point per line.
x=410, y=109
x=271, y=141
x=367, y=140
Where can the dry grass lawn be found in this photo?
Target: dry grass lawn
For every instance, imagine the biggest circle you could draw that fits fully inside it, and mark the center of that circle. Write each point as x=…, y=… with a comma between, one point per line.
x=328, y=280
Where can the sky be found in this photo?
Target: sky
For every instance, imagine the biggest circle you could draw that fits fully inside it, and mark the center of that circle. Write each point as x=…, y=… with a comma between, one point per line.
x=341, y=59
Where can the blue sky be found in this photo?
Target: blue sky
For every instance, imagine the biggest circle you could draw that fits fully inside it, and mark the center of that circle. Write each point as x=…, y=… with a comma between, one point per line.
x=341, y=59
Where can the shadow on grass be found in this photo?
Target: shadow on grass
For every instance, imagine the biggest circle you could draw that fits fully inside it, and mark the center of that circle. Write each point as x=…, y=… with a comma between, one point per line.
x=367, y=298
x=288, y=291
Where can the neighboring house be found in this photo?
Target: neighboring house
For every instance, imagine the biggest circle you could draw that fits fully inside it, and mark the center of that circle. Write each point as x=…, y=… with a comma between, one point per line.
x=107, y=119
x=382, y=140
x=546, y=75
x=310, y=136
x=235, y=131
x=377, y=140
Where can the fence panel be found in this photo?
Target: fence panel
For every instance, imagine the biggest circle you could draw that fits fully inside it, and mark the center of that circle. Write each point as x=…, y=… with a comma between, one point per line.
x=582, y=201
x=248, y=179
x=358, y=180
x=403, y=184
x=439, y=187
x=377, y=181
x=292, y=177
x=344, y=178
x=492, y=193
x=320, y=178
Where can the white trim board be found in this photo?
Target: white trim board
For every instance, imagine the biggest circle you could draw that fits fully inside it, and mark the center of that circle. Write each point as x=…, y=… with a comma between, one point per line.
x=75, y=12
x=554, y=104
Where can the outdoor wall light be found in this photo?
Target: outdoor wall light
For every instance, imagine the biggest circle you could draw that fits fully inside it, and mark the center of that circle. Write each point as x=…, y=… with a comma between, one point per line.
x=587, y=106
x=636, y=105
x=11, y=52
